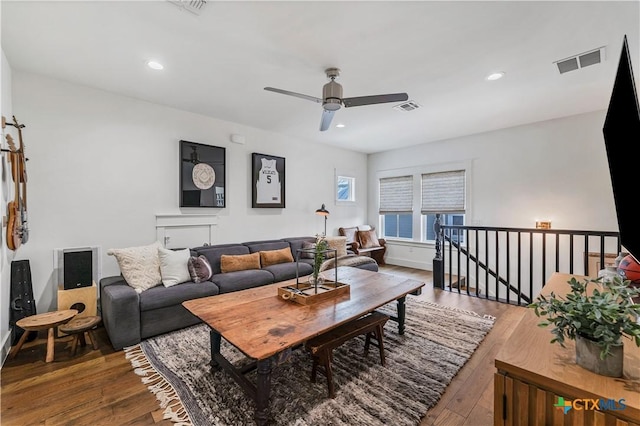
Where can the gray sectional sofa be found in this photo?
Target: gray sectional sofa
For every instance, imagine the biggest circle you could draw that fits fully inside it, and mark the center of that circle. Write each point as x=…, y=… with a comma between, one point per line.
x=130, y=317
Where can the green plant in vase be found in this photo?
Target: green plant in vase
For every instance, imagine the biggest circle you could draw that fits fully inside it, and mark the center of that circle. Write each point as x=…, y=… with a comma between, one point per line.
x=319, y=257
x=596, y=320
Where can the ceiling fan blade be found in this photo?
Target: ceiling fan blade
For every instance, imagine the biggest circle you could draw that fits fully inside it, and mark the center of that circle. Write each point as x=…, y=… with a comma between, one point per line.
x=374, y=99
x=297, y=95
x=325, y=122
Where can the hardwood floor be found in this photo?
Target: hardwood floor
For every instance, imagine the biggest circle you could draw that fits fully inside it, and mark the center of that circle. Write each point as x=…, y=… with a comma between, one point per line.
x=99, y=387
x=468, y=399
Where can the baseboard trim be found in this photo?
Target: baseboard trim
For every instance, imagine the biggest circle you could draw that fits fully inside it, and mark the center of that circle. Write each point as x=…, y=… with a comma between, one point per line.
x=5, y=349
x=427, y=266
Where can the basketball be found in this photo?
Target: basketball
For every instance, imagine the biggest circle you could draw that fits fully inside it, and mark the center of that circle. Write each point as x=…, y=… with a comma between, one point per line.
x=629, y=269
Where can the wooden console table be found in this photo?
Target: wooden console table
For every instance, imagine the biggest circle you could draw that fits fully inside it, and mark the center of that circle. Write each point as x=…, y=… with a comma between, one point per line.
x=533, y=374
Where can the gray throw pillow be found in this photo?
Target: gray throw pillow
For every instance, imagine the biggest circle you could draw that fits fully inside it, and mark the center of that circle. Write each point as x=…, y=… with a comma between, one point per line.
x=199, y=269
x=307, y=245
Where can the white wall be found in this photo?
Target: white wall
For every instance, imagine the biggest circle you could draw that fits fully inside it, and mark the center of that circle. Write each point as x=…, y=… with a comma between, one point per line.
x=6, y=194
x=101, y=166
x=554, y=170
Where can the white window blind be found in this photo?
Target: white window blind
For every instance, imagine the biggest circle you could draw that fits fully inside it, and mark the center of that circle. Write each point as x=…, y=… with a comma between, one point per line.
x=396, y=195
x=443, y=192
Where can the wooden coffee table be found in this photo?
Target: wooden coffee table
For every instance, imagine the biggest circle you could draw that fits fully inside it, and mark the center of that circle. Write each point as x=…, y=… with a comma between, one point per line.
x=266, y=328
x=47, y=321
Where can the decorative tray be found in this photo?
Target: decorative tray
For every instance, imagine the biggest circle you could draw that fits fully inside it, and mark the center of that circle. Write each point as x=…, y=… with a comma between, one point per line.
x=307, y=294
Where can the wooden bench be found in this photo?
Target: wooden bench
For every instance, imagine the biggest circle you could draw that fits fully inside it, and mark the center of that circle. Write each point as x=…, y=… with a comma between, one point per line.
x=322, y=346
x=354, y=244
x=376, y=253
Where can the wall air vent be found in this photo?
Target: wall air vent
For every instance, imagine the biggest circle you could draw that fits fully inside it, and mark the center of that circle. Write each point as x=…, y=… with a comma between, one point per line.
x=407, y=106
x=581, y=60
x=193, y=6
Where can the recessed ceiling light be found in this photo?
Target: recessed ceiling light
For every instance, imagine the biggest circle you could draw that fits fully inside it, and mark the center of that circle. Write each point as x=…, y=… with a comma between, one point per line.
x=340, y=126
x=495, y=76
x=155, y=65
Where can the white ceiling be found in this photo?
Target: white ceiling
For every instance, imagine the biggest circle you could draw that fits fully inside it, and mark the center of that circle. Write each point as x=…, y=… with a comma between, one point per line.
x=217, y=63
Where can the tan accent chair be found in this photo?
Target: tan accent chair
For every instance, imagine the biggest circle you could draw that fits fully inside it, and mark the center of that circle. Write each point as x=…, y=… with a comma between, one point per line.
x=356, y=243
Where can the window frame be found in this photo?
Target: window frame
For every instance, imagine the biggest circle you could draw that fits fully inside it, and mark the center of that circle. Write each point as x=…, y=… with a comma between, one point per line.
x=425, y=224
x=394, y=237
x=351, y=185
x=351, y=176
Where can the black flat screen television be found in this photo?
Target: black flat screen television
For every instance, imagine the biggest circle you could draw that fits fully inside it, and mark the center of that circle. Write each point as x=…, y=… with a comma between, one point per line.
x=622, y=137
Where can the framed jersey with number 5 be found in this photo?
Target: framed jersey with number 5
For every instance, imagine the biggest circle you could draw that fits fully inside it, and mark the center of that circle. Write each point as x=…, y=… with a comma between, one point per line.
x=268, y=177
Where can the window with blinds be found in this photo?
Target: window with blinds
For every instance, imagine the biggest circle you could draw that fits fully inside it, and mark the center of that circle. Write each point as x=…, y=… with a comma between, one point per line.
x=396, y=195
x=396, y=206
x=440, y=193
x=443, y=192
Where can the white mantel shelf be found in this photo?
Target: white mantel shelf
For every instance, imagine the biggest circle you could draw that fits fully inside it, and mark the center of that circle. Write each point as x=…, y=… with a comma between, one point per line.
x=182, y=229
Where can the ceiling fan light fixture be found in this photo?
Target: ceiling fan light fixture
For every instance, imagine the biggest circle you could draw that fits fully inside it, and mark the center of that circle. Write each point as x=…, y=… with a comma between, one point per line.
x=340, y=125
x=332, y=104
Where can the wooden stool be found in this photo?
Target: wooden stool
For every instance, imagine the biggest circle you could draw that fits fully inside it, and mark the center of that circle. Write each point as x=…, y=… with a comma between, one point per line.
x=322, y=346
x=47, y=321
x=78, y=326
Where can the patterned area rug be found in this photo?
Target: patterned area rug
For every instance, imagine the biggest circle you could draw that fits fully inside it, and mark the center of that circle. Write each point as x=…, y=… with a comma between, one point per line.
x=420, y=364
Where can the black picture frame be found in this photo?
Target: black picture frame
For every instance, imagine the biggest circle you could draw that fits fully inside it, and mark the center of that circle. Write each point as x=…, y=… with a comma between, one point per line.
x=268, y=181
x=202, y=175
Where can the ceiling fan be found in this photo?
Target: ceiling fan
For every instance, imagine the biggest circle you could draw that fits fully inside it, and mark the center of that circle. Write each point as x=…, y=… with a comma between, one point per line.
x=194, y=158
x=332, y=99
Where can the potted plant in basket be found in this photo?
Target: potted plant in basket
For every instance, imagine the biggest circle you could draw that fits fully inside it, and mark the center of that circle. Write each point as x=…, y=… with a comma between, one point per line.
x=596, y=320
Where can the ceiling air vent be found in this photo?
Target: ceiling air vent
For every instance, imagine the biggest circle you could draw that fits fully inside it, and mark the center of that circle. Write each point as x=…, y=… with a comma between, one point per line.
x=407, y=106
x=193, y=6
x=581, y=60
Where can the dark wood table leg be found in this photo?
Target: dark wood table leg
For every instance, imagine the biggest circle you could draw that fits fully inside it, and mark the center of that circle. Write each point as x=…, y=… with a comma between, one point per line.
x=401, y=314
x=263, y=388
x=215, y=349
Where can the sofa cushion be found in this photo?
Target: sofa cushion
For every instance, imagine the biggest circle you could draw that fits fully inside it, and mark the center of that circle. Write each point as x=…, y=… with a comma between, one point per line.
x=164, y=320
x=161, y=297
x=368, y=239
x=256, y=246
x=140, y=266
x=297, y=243
x=174, y=266
x=240, y=280
x=199, y=269
x=239, y=262
x=273, y=257
x=287, y=271
x=213, y=253
x=307, y=261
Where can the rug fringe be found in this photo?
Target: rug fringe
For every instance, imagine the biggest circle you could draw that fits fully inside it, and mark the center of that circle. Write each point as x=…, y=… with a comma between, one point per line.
x=165, y=393
x=456, y=309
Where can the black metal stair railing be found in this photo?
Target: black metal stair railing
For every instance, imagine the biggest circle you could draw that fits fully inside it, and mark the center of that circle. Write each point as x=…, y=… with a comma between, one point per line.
x=512, y=264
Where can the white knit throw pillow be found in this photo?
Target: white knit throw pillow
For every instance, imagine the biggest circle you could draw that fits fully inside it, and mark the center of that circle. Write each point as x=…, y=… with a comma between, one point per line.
x=140, y=266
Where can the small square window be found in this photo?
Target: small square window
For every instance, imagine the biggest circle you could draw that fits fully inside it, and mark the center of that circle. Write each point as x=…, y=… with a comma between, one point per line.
x=345, y=189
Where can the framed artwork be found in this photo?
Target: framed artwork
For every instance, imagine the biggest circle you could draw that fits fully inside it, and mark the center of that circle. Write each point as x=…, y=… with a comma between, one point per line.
x=202, y=175
x=268, y=179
